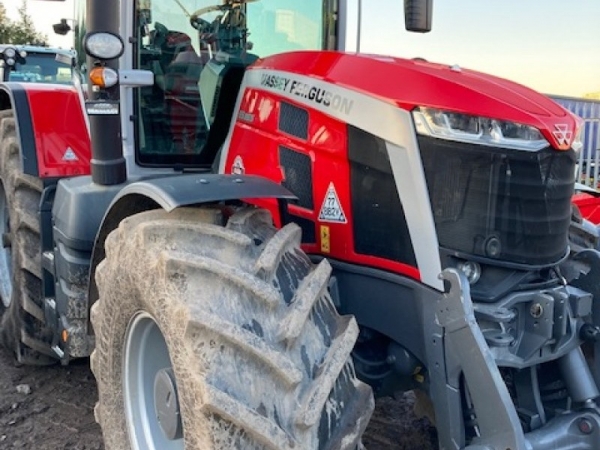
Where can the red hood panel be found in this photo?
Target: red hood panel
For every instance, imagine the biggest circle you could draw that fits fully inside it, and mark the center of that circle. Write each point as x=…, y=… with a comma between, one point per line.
x=412, y=83
x=506, y=91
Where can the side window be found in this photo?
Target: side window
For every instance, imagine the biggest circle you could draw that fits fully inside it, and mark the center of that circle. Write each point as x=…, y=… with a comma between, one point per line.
x=170, y=112
x=197, y=50
x=278, y=26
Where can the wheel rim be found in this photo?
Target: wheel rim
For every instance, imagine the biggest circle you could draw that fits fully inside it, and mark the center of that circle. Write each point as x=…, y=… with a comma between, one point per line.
x=5, y=251
x=147, y=382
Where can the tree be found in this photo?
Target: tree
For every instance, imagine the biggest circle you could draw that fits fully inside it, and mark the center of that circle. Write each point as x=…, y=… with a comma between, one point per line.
x=21, y=31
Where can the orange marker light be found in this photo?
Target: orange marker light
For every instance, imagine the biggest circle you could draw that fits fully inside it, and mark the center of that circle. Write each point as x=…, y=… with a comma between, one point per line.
x=103, y=77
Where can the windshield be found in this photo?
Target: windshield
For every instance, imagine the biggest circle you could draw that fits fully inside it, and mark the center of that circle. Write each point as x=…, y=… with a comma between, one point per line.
x=183, y=42
x=43, y=68
x=273, y=26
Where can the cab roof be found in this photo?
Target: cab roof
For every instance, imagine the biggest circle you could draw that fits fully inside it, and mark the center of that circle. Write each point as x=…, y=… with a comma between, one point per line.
x=39, y=49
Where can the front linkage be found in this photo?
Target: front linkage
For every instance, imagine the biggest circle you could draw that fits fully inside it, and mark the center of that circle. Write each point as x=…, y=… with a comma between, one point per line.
x=530, y=390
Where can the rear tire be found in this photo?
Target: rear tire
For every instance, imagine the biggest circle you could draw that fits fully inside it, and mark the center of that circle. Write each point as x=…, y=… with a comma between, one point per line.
x=22, y=327
x=240, y=320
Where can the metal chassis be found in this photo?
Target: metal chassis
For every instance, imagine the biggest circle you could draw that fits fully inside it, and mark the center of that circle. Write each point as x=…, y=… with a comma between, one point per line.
x=452, y=343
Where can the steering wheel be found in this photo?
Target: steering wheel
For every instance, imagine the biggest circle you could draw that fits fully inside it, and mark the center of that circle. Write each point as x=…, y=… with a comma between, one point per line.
x=203, y=25
x=200, y=24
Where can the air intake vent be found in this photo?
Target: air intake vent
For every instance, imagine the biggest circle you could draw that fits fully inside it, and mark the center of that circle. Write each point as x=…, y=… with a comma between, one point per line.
x=293, y=120
x=298, y=175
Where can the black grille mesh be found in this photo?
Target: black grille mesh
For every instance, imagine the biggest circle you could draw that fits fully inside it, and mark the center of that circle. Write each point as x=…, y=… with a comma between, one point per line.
x=380, y=227
x=297, y=175
x=293, y=120
x=507, y=205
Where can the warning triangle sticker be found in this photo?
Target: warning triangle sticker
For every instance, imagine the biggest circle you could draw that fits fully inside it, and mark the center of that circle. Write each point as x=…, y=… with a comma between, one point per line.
x=332, y=211
x=70, y=155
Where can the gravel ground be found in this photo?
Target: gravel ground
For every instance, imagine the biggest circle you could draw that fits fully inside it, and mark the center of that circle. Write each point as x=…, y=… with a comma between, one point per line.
x=51, y=408
x=47, y=408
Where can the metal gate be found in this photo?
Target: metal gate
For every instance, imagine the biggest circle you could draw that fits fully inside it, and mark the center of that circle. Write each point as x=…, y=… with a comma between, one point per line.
x=588, y=167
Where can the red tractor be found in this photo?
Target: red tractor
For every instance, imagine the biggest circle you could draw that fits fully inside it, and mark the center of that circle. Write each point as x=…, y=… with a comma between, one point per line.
x=205, y=262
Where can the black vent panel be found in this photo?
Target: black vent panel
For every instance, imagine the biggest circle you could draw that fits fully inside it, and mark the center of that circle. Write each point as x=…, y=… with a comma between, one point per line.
x=297, y=171
x=380, y=227
x=293, y=120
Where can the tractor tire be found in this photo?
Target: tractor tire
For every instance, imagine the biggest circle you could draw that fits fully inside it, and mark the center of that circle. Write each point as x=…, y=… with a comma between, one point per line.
x=216, y=337
x=22, y=327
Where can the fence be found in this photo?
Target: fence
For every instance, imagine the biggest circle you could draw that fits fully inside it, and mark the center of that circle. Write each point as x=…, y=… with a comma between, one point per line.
x=588, y=167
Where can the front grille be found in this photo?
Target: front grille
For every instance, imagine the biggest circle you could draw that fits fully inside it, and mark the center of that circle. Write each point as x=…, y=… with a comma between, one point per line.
x=505, y=205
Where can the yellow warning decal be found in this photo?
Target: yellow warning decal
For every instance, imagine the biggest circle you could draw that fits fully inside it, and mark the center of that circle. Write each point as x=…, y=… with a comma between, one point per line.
x=325, y=244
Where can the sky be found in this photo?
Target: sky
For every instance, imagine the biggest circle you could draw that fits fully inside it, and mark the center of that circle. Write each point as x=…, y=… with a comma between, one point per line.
x=552, y=46
x=44, y=14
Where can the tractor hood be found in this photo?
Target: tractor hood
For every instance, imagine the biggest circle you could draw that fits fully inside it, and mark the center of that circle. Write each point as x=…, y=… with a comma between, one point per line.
x=413, y=83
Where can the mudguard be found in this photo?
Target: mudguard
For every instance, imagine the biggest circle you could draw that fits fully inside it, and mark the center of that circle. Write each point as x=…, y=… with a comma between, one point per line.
x=79, y=238
x=183, y=190
x=175, y=191
x=589, y=206
x=51, y=126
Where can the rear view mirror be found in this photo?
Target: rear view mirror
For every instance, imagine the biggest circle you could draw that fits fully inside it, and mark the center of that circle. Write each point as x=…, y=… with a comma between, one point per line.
x=61, y=28
x=417, y=15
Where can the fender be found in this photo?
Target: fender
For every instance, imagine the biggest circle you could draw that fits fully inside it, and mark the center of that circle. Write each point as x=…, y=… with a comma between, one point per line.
x=589, y=206
x=51, y=126
x=177, y=191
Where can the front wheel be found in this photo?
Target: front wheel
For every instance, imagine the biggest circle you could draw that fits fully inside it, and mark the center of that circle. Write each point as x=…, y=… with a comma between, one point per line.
x=220, y=337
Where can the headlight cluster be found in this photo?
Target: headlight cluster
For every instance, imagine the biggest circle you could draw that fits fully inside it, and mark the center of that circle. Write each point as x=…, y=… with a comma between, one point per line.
x=477, y=130
x=10, y=55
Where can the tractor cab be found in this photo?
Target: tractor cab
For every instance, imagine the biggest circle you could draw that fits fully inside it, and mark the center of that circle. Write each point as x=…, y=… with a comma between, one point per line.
x=35, y=64
x=198, y=52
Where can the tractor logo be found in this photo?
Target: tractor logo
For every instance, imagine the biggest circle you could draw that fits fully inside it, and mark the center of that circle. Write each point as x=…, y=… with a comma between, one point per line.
x=563, y=134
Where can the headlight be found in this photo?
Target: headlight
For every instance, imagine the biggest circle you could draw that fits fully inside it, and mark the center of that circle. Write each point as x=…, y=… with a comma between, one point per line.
x=103, y=45
x=477, y=130
x=10, y=52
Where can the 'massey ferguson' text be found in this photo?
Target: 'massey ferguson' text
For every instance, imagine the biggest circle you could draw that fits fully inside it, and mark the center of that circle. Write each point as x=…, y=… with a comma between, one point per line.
x=309, y=92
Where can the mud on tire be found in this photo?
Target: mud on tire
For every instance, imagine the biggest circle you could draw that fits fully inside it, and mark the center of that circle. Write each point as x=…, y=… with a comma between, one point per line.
x=22, y=327
x=260, y=355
